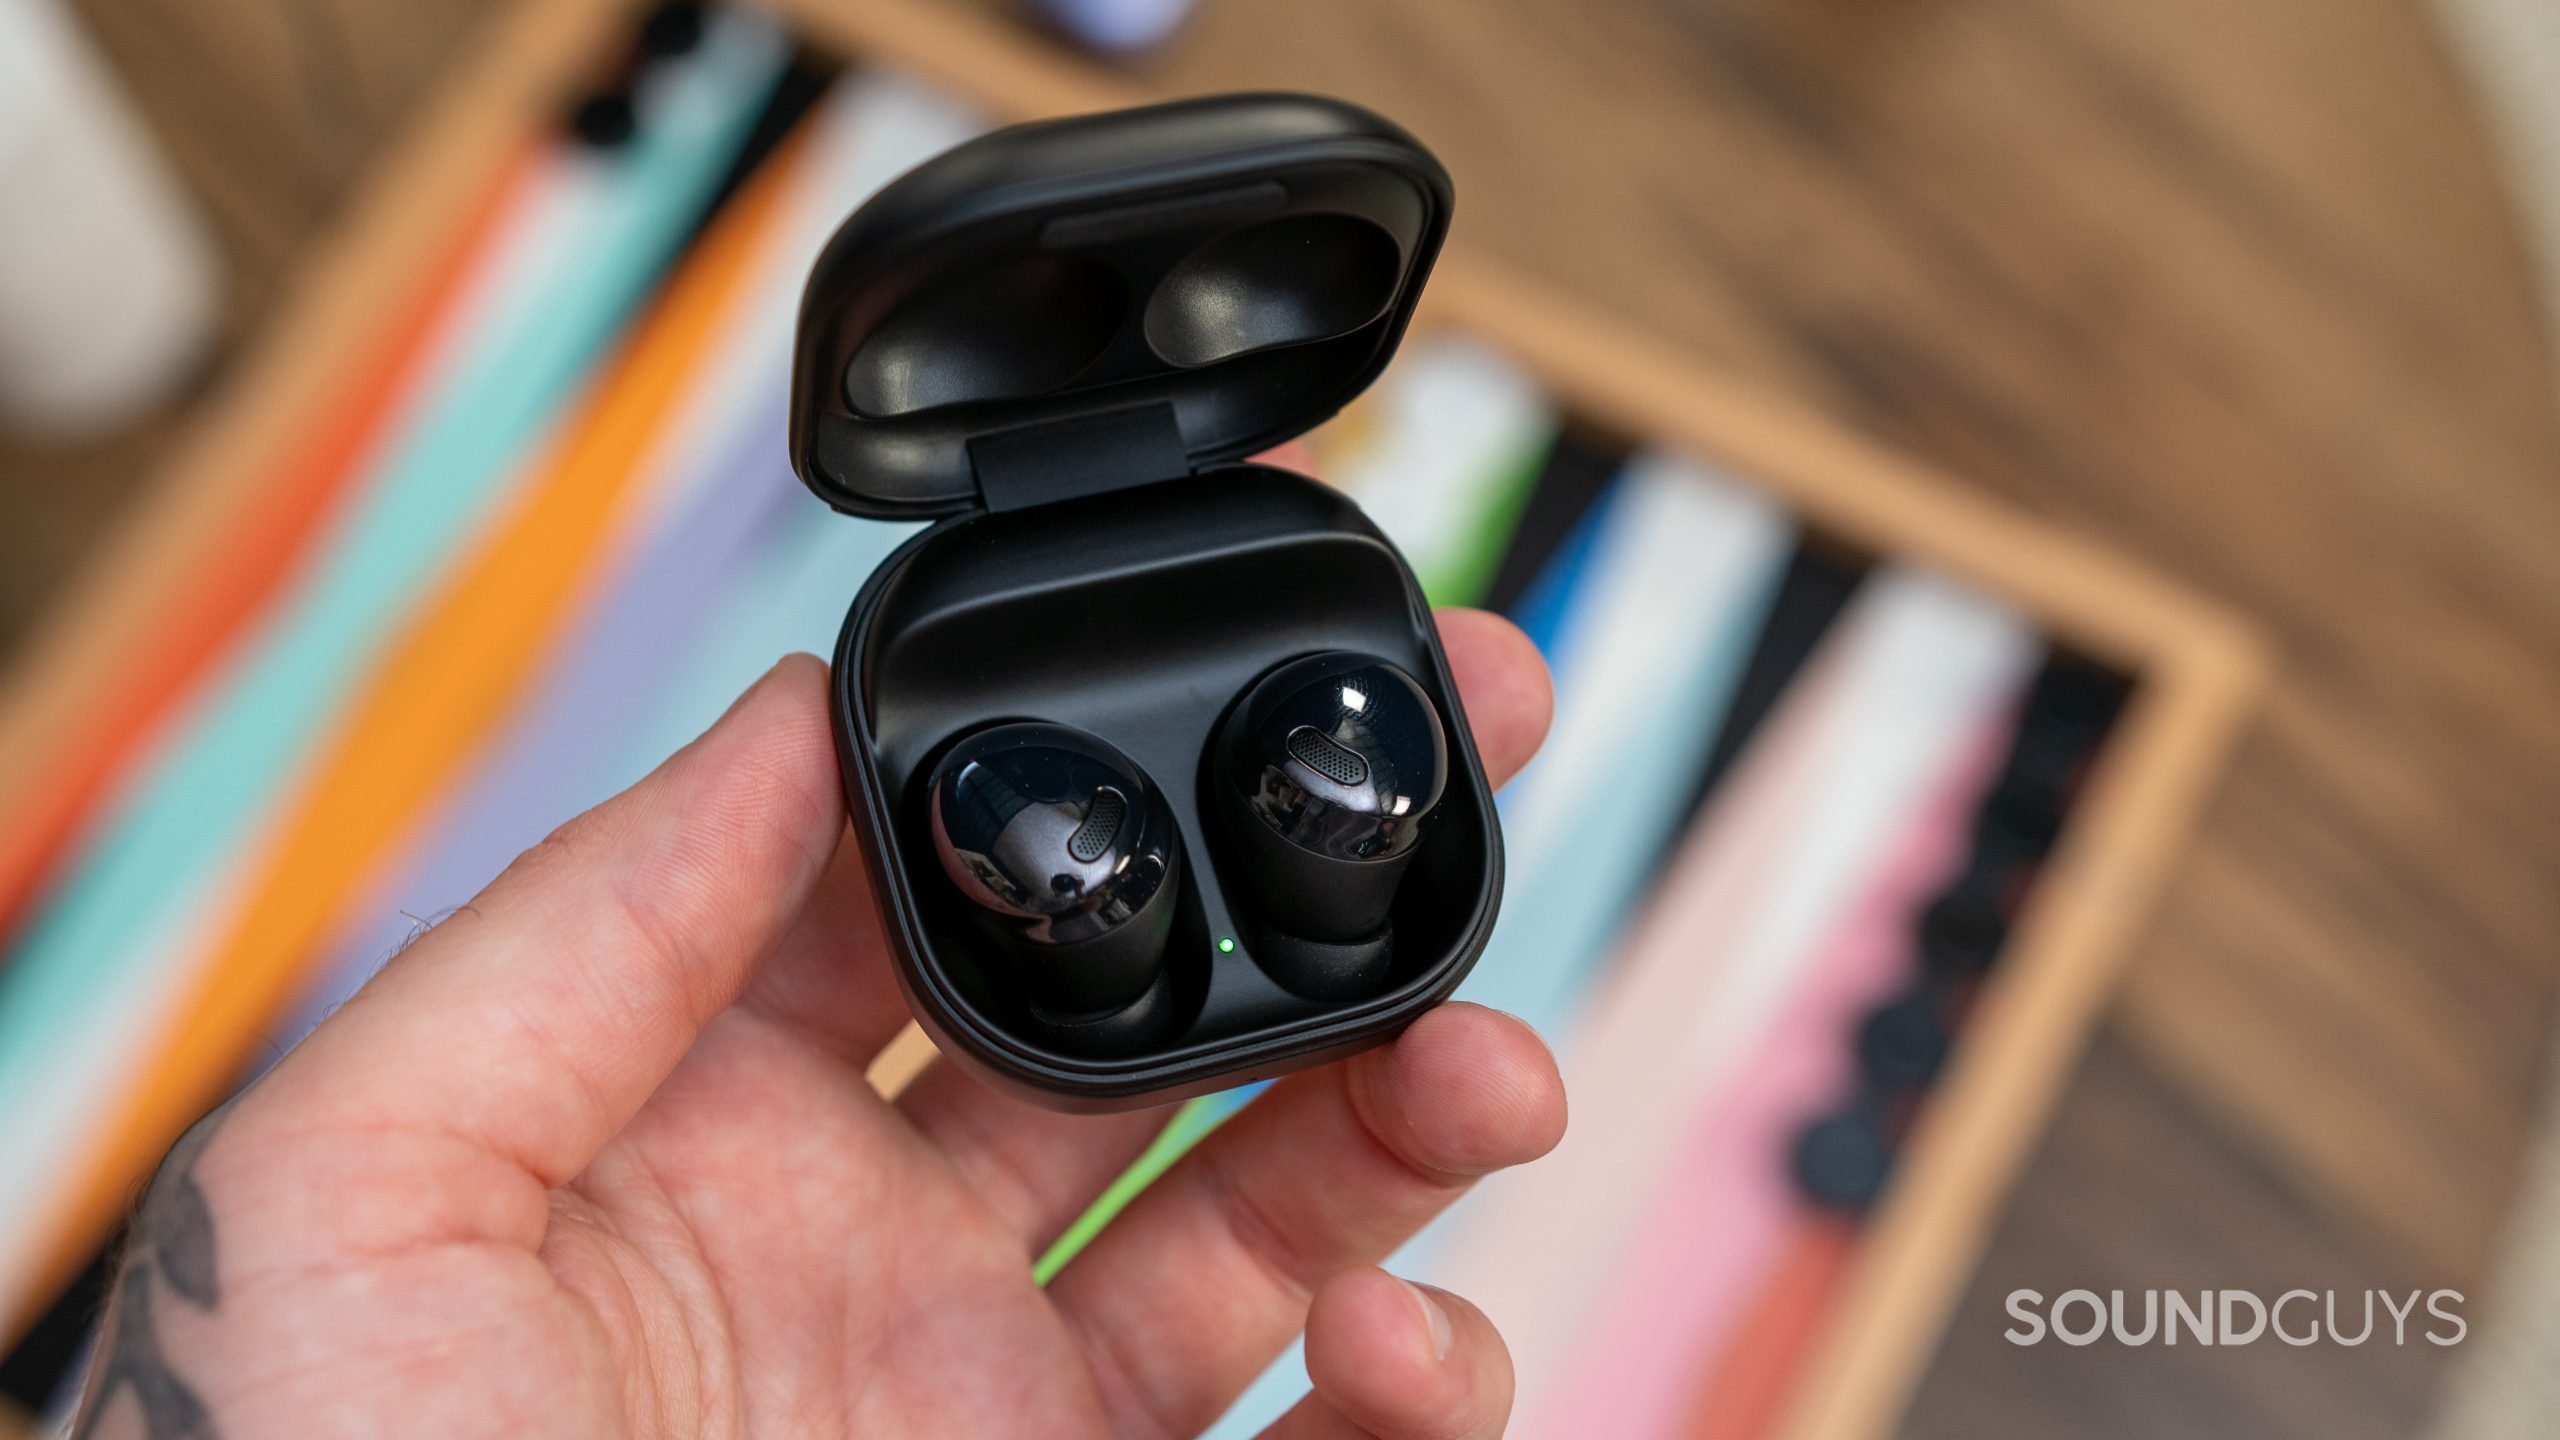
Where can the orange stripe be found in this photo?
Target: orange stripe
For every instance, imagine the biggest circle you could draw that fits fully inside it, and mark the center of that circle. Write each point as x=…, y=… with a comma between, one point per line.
x=1757, y=1374
x=440, y=692
x=241, y=572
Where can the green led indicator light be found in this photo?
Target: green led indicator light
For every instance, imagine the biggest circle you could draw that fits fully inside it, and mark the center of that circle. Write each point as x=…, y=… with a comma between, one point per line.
x=1226, y=944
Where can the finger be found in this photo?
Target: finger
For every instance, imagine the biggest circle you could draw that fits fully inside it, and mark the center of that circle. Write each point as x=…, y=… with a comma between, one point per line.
x=1394, y=1361
x=1036, y=1168
x=1206, y=1276
x=1502, y=682
x=1045, y=1173
x=532, y=1025
x=1296, y=455
x=829, y=981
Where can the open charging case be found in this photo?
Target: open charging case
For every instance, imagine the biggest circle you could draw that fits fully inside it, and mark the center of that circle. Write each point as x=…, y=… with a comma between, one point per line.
x=1061, y=343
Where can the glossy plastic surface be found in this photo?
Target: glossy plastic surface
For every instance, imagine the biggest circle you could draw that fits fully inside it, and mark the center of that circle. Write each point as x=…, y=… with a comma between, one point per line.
x=1332, y=768
x=1340, y=754
x=1070, y=855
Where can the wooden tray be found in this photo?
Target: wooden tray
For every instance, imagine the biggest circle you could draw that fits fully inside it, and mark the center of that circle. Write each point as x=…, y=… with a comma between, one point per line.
x=2197, y=669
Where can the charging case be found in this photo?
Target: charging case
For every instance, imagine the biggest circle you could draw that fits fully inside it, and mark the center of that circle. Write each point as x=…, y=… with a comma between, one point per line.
x=1061, y=343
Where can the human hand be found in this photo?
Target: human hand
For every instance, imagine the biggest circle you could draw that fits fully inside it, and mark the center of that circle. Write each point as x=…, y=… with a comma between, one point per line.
x=595, y=1156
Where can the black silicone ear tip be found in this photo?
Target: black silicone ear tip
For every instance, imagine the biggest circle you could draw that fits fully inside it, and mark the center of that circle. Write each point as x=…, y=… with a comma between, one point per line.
x=1128, y=1028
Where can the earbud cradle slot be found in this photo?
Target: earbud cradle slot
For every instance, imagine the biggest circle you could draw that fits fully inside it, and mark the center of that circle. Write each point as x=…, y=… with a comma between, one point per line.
x=1011, y=330
x=1288, y=281
x=1260, y=569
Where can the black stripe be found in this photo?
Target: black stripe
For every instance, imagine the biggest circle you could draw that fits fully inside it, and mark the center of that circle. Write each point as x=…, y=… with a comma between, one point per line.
x=803, y=84
x=32, y=1374
x=1819, y=580
x=1577, y=468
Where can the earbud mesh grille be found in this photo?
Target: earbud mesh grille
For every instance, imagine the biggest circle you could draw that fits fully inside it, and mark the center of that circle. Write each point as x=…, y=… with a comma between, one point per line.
x=1326, y=756
x=1093, y=838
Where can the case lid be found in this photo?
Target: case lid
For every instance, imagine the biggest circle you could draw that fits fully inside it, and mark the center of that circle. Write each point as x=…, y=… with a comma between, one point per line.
x=1057, y=309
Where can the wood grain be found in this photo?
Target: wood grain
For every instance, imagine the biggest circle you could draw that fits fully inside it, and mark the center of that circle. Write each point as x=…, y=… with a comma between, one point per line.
x=2232, y=288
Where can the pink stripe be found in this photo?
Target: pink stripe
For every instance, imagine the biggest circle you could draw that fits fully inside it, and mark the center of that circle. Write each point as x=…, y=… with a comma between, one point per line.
x=1534, y=1249
x=1719, y=1221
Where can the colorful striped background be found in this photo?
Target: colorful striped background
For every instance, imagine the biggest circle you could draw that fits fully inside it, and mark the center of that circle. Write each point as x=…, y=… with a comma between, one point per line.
x=547, y=531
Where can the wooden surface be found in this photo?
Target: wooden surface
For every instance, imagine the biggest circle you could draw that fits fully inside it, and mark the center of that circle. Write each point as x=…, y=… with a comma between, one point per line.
x=2231, y=287
x=269, y=110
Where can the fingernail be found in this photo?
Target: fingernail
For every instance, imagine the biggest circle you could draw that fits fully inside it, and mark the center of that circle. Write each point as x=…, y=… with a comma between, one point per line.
x=1433, y=1317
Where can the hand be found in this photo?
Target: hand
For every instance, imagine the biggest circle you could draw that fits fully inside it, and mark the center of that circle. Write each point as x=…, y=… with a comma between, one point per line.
x=595, y=1157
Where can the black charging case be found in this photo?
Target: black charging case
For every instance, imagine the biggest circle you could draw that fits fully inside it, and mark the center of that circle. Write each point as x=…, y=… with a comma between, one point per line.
x=1060, y=343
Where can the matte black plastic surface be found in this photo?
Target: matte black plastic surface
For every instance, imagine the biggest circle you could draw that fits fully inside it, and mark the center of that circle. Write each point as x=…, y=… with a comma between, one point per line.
x=1229, y=270
x=1139, y=616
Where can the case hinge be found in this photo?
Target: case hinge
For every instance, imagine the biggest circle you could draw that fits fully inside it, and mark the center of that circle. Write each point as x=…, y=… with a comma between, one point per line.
x=1079, y=455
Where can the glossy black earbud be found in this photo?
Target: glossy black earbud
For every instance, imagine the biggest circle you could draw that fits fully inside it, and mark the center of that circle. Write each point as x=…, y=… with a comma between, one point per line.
x=1329, y=768
x=1070, y=855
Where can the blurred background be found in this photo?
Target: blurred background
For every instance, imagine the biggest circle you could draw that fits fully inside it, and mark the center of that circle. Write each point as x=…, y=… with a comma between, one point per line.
x=2259, y=296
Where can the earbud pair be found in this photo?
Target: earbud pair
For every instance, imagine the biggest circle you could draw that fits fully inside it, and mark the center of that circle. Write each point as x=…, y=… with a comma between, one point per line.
x=1322, y=775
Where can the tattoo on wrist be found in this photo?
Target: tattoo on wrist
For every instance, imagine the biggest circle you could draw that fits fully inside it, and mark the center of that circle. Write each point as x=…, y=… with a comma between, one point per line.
x=172, y=1248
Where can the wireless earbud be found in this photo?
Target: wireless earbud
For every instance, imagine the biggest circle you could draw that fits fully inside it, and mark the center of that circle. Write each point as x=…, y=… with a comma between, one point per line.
x=1328, y=768
x=1070, y=855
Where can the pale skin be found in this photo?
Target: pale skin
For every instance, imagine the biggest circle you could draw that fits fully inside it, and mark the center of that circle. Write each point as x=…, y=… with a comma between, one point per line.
x=595, y=1157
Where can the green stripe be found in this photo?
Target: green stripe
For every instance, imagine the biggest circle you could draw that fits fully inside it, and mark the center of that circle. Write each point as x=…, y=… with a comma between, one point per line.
x=1465, y=576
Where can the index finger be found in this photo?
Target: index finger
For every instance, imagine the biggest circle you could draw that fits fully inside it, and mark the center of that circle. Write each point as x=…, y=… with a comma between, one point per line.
x=535, y=1022
x=1502, y=681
